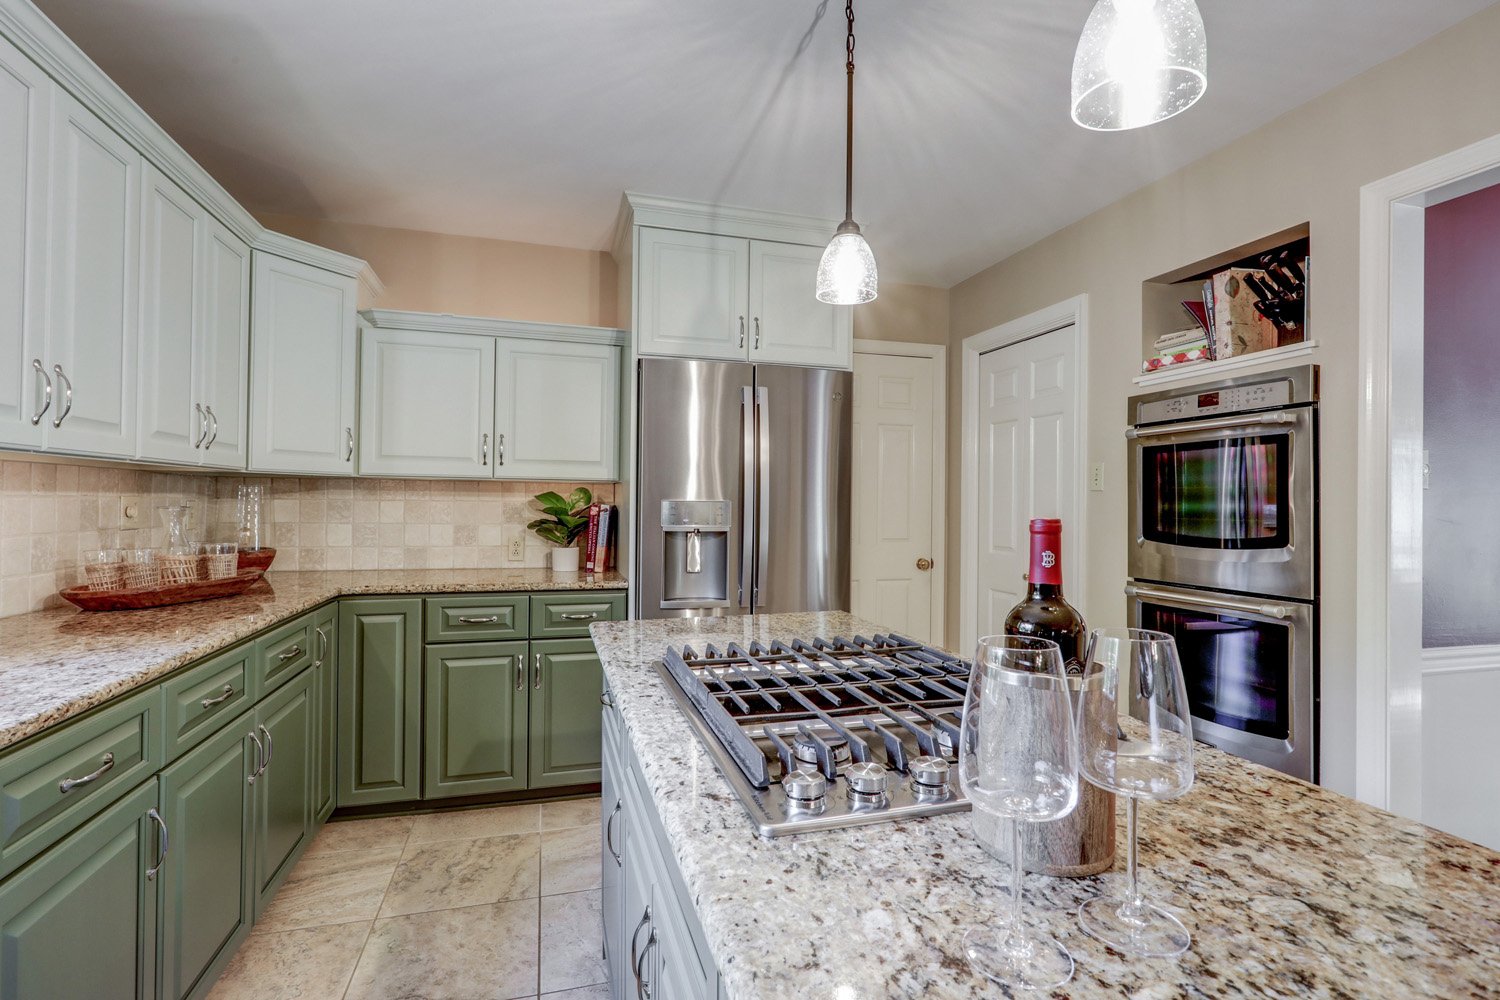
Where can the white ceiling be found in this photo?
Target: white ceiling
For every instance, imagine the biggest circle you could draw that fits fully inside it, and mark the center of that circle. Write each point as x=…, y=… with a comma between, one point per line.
x=526, y=120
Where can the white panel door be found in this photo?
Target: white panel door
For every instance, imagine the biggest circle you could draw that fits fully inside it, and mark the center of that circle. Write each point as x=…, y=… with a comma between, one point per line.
x=788, y=325
x=427, y=404
x=93, y=283
x=302, y=368
x=25, y=98
x=557, y=410
x=1028, y=463
x=894, y=548
x=224, y=344
x=173, y=424
x=693, y=299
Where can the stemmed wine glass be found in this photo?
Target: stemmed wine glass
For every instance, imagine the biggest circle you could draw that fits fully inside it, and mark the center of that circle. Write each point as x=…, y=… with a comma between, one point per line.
x=1018, y=759
x=1135, y=739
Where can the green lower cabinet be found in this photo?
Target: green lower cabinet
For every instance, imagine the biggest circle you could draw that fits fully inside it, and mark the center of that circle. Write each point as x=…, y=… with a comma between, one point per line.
x=475, y=706
x=207, y=880
x=326, y=705
x=284, y=791
x=380, y=700
x=566, y=681
x=80, y=920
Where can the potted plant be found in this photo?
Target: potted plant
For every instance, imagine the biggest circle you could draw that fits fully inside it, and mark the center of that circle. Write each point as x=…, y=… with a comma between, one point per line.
x=566, y=519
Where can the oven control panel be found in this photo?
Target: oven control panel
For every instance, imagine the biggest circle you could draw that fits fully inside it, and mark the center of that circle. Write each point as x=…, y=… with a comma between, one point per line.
x=1230, y=399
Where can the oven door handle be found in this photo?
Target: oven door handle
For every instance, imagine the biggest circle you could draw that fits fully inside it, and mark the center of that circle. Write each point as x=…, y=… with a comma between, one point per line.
x=1221, y=423
x=1220, y=602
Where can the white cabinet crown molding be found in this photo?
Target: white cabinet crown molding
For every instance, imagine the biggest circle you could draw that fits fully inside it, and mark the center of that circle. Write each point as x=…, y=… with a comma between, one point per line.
x=395, y=319
x=304, y=252
x=660, y=212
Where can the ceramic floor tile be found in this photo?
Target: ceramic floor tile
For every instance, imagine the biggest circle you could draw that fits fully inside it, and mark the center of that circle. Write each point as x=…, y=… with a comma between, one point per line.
x=464, y=873
x=599, y=992
x=470, y=824
x=335, y=887
x=570, y=813
x=461, y=954
x=310, y=962
x=363, y=834
x=570, y=860
x=572, y=938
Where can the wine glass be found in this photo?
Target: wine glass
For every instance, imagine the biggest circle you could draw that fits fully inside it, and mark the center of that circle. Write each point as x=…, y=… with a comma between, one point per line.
x=1018, y=759
x=1135, y=739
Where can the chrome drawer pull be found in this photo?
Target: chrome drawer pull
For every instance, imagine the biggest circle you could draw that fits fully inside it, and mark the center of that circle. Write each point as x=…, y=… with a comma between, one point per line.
x=202, y=426
x=106, y=764
x=580, y=617
x=161, y=858
x=642, y=984
x=520, y=672
x=609, y=834
x=215, y=435
x=290, y=654
x=221, y=698
x=36, y=418
x=478, y=619
x=634, y=935
x=606, y=700
x=322, y=647
x=348, y=444
x=270, y=748
x=67, y=396
x=537, y=683
x=260, y=751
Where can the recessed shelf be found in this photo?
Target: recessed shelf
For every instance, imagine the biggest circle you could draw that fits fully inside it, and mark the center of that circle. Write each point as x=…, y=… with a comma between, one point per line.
x=1207, y=371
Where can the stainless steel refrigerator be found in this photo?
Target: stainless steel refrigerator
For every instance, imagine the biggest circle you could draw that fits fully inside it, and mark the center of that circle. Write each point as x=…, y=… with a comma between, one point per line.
x=742, y=497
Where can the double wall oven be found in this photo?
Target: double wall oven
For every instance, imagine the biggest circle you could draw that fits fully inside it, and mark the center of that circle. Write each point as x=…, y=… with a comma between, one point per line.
x=1224, y=555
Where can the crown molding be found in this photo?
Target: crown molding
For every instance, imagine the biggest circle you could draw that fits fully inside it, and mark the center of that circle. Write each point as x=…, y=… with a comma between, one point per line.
x=660, y=212
x=396, y=319
x=329, y=260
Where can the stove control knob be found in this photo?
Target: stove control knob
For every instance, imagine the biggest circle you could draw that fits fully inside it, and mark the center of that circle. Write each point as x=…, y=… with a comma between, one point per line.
x=867, y=778
x=804, y=786
x=929, y=775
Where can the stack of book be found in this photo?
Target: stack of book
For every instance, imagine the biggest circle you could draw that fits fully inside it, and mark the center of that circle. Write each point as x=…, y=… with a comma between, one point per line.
x=1181, y=348
x=599, y=552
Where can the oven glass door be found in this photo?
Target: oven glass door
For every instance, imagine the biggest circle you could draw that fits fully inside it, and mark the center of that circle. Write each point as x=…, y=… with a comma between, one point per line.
x=1217, y=493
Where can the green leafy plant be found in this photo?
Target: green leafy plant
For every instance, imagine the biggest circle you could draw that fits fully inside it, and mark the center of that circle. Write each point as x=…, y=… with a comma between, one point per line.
x=566, y=517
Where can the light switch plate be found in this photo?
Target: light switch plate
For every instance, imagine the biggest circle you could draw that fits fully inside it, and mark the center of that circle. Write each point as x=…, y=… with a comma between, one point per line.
x=1096, y=478
x=130, y=513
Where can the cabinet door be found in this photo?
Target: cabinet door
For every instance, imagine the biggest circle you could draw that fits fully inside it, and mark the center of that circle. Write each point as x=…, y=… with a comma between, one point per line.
x=692, y=298
x=93, y=283
x=566, y=679
x=224, y=344
x=284, y=789
x=557, y=410
x=380, y=688
x=326, y=693
x=25, y=97
x=81, y=920
x=638, y=943
x=429, y=404
x=207, y=880
x=173, y=426
x=612, y=833
x=788, y=325
x=475, y=696
x=302, y=340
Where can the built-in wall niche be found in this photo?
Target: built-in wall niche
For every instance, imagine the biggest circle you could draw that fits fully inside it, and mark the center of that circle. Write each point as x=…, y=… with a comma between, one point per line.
x=1260, y=303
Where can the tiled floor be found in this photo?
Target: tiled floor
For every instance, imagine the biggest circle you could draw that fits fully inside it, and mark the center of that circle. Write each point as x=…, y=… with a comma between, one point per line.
x=485, y=904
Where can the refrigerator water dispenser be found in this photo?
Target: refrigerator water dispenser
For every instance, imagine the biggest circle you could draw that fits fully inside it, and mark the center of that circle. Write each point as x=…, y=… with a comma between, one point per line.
x=695, y=553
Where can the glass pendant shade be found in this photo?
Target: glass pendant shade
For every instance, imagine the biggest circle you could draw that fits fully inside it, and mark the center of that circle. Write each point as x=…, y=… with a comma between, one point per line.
x=846, y=274
x=1138, y=62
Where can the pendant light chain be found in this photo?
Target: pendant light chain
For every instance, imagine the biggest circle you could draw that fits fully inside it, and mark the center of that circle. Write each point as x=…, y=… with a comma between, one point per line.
x=849, y=119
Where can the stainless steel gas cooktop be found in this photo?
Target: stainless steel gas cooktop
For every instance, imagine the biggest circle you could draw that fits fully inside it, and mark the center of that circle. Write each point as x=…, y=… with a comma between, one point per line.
x=817, y=734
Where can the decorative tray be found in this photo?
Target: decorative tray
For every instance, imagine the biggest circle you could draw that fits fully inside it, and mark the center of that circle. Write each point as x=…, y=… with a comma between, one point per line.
x=256, y=558
x=156, y=597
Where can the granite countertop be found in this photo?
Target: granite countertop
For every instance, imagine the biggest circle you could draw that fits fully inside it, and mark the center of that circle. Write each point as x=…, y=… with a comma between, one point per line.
x=56, y=664
x=1289, y=890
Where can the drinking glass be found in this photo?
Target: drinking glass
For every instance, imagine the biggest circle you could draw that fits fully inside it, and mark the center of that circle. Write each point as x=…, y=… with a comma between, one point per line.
x=250, y=512
x=1135, y=739
x=1018, y=759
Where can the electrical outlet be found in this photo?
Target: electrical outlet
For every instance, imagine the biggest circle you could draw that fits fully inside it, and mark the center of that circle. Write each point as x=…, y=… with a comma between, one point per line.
x=1096, y=478
x=131, y=514
x=516, y=552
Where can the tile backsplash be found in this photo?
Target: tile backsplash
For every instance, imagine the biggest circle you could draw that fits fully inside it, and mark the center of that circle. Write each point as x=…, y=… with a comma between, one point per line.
x=50, y=514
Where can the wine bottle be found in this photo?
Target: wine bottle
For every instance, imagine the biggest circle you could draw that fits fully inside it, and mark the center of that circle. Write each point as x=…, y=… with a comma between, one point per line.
x=1045, y=613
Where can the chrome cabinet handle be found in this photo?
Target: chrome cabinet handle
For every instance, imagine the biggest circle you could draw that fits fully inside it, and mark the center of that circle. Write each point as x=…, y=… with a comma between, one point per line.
x=520, y=673
x=106, y=764
x=67, y=396
x=270, y=748
x=322, y=647
x=1218, y=601
x=580, y=617
x=747, y=493
x=606, y=700
x=500, y=449
x=260, y=751
x=36, y=365
x=348, y=444
x=220, y=698
x=742, y=332
x=478, y=619
x=536, y=682
x=642, y=984
x=202, y=426
x=634, y=942
x=161, y=858
x=289, y=654
x=215, y=435
x=609, y=834
x=757, y=333
x=1213, y=424
x=484, y=449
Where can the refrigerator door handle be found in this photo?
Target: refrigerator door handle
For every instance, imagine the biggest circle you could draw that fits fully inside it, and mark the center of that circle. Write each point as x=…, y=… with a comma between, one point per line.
x=763, y=484
x=747, y=494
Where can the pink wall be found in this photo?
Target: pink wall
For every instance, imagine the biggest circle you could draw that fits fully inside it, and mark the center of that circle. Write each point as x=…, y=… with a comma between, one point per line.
x=1461, y=414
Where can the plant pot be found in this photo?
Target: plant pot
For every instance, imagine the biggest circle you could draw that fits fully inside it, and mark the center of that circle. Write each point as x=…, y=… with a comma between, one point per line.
x=565, y=560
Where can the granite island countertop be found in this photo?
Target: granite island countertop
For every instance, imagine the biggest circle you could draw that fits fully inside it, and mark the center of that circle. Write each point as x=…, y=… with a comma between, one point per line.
x=59, y=663
x=1289, y=890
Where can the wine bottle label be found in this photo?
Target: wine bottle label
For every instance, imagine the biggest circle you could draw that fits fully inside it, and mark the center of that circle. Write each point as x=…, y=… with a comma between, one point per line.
x=1046, y=551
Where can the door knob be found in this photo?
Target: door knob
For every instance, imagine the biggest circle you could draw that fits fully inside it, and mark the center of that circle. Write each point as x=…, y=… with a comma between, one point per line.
x=924, y=564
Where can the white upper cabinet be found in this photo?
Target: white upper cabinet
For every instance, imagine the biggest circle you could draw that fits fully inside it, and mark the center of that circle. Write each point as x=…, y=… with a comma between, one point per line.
x=25, y=98
x=223, y=375
x=302, y=368
x=788, y=324
x=557, y=410
x=693, y=300
x=173, y=424
x=427, y=404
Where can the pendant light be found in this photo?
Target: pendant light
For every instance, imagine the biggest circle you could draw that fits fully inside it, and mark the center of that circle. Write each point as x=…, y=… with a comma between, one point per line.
x=1138, y=62
x=846, y=274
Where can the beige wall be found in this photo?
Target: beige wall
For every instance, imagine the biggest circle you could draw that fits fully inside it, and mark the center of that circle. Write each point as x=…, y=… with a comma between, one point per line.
x=470, y=276
x=1306, y=166
x=914, y=313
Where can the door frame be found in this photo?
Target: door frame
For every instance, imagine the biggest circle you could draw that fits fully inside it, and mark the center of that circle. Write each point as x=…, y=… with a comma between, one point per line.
x=1072, y=312
x=1388, y=553
x=938, y=353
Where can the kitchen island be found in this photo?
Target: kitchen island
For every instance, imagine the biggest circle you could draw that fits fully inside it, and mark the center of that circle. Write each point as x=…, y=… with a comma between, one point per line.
x=1289, y=890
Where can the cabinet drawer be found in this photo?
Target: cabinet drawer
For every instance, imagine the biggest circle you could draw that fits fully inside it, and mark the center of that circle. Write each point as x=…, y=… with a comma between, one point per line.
x=280, y=654
x=476, y=618
x=563, y=616
x=50, y=787
x=202, y=699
